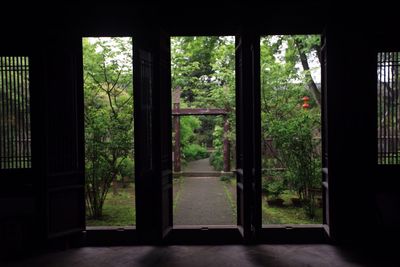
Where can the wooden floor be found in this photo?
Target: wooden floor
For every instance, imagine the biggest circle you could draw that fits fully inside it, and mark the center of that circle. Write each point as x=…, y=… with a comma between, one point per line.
x=227, y=255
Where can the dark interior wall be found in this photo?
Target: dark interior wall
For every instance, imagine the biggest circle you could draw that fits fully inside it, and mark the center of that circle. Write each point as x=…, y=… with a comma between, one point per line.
x=365, y=200
x=21, y=191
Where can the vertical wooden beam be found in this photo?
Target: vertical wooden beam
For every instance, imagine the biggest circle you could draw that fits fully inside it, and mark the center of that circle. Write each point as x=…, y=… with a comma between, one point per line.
x=227, y=163
x=176, y=125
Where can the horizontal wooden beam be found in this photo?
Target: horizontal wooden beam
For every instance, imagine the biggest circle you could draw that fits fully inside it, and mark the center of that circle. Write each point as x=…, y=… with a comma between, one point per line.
x=198, y=111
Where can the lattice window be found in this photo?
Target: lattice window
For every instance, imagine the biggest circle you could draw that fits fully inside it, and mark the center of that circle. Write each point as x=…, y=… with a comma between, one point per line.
x=388, y=107
x=15, y=125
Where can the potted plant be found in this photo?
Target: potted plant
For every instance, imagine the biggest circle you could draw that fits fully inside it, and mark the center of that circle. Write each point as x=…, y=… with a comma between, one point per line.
x=274, y=188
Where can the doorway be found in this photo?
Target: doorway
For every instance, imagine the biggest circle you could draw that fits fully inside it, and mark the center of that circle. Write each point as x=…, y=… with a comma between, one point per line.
x=291, y=146
x=109, y=142
x=203, y=130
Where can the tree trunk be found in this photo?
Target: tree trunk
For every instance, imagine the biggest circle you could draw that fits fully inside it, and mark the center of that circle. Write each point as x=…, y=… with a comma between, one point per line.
x=310, y=82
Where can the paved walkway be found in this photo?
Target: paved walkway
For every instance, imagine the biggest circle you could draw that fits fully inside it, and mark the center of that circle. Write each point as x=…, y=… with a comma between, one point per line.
x=199, y=165
x=202, y=200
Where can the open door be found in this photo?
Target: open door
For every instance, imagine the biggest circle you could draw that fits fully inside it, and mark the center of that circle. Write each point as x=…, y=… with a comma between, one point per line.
x=152, y=123
x=248, y=134
x=324, y=133
x=165, y=123
x=63, y=139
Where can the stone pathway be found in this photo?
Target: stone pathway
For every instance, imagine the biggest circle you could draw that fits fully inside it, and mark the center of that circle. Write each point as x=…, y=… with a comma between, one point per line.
x=199, y=165
x=202, y=200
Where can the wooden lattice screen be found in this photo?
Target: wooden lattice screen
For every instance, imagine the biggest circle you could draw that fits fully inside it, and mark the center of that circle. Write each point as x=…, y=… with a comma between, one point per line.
x=388, y=107
x=15, y=126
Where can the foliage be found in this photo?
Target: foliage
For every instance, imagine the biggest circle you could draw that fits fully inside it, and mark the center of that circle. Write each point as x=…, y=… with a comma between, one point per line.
x=225, y=178
x=273, y=184
x=204, y=68
x=127, y=167
x=189, y=125
x=275, y=188
x=294, y=130
x=299, y=149
x=107, y=65
x=216, y=160
x=194, y=152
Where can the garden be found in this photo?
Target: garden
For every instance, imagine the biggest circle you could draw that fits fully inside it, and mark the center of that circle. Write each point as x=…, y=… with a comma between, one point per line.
x=291, y=129
x=204, y=69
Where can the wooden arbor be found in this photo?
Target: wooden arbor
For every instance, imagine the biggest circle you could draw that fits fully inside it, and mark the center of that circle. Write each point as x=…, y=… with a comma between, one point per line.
x=177, y=112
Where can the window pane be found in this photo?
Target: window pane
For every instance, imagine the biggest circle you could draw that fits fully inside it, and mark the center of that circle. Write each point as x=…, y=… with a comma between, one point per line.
x=388, y=107
x=15, y=125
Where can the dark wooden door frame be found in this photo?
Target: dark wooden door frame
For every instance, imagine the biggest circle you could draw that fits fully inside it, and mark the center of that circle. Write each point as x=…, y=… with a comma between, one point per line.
x=150, y=193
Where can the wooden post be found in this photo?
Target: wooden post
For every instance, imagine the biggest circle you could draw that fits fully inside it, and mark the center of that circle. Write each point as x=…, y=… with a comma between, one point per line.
x=177, y=129
x=227, y=163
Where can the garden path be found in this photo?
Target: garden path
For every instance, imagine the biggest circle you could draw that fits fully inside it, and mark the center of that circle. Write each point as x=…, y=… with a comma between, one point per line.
x=199, y=165
x=202, y=200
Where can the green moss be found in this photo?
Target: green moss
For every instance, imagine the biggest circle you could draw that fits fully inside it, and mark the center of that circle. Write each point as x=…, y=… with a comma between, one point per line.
x=231, y=199
x=287, y=214
x=178, y=184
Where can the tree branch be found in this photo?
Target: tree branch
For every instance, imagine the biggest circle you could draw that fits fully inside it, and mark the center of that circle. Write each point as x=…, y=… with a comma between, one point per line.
x=111, y=104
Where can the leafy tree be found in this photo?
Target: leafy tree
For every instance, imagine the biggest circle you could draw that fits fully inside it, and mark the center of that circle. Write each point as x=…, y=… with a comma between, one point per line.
x=294, y=131
x=191, y=65
x=299, y=150
x=107, y=64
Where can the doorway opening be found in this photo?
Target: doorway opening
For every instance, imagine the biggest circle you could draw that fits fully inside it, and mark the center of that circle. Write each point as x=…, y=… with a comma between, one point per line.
x=203, y=130
x=109, y=142
x=291, y=129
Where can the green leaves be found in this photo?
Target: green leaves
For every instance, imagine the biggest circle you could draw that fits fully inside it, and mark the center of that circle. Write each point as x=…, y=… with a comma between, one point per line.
x=108, y=90
x=204, y=67
x=294, y=130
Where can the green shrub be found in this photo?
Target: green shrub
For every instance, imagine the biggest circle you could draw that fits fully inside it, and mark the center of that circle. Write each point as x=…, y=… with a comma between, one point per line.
x=216, y=160
x=294, y=138
x=225, y=178
x=127, y=167
x=194, y=151
x=273, y=187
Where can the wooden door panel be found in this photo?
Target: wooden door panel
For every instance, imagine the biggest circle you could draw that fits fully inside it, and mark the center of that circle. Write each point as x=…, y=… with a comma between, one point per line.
x=152, y=135
x=247, y=133
x=64, y=163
